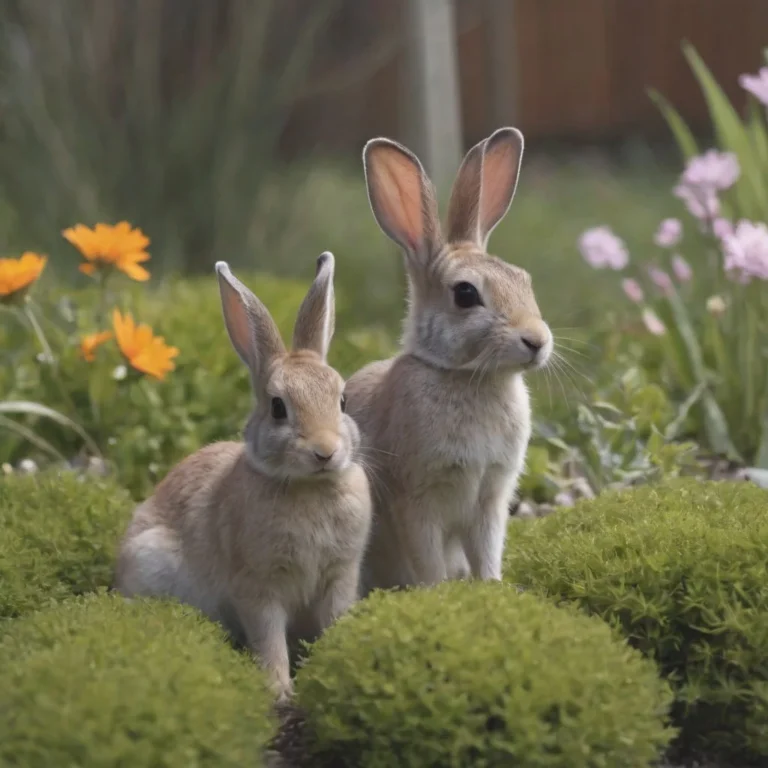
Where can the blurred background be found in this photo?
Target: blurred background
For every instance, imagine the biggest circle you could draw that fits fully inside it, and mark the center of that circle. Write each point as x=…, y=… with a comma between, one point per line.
x=232, y=129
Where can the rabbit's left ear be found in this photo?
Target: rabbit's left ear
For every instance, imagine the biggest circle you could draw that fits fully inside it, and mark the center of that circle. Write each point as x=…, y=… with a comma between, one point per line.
x=317, y=314
x=485, y=186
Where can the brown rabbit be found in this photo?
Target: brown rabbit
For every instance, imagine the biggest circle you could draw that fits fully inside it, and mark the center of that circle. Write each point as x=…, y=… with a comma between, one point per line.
x=447, y=422
x=265, y=536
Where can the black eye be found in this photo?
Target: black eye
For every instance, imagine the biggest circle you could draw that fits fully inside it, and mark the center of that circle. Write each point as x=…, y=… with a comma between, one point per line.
x=465, y=295
x=343, y=404
x=278, y=409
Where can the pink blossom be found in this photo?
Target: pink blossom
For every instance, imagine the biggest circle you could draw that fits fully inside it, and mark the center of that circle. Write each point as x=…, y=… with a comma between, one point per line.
x=701, y=202
x=669, y=233
x=652, y=323
x=722, y=228
x=757, y=85
x=601, y=248
x=681, y=268
x=713, y=170
x=632, y=290
x=746, y=251
x=661, y=280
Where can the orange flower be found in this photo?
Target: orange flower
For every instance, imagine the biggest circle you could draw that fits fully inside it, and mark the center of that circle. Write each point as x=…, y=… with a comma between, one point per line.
x=89, y=343
x=143, y=350
x=106, y=246
x=16, y=275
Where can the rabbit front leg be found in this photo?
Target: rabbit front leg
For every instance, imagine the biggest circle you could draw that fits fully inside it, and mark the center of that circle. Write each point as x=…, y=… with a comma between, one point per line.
x=340, y=595
x=485, y=533
x=265, y=625
x=422, y=542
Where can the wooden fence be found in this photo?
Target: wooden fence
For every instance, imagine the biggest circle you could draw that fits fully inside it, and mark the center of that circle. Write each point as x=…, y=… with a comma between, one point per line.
x=564, y=69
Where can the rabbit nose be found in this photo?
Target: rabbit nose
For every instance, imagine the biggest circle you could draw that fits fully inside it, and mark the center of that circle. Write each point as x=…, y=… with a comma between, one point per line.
x=325, y=456
x=533, y=344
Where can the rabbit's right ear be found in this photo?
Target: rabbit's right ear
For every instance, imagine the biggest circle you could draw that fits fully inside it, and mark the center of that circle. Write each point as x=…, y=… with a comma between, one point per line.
x=485, y=186
x=402, y=199
x=253, y=333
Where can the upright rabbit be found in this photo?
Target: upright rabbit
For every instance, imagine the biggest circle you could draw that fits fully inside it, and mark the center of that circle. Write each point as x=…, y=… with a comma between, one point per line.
x=268, y=536
x=447, y=422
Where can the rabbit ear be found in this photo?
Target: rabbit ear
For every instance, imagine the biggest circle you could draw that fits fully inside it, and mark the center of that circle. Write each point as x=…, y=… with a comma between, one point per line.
x=402, y=199
x=253, y=333
x=485, y=186
x=317, y=314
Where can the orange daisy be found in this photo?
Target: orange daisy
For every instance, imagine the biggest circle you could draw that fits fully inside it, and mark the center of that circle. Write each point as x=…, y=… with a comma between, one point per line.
x=89, y=343
x=141, y=348
x=119, y=246
x=17, y=275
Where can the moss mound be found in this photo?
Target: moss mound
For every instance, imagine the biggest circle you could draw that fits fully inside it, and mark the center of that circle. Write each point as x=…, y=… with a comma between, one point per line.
x=476, y=674
x=99, y=681
x=58, y=536
x=682, y=569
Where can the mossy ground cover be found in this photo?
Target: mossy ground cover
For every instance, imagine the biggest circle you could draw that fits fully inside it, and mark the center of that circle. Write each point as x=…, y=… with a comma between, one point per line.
x=99, y=681
x=682, y=571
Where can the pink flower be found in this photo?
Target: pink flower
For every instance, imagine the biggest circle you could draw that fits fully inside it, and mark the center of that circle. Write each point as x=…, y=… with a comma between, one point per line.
x=652, y=323
x=681, y=268
x=701, y=202
x=746, y=251
x=713, y=170
x=757, y=85
x=632, y=290
x=722, y=228
x=601, y=248
x=669, y=233
x=661, y=280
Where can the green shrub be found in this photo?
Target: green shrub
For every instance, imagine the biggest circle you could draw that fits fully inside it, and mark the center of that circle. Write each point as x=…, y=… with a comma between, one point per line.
x=682, y=569
x=100, y=681
x=476, y=674
x=58, y=536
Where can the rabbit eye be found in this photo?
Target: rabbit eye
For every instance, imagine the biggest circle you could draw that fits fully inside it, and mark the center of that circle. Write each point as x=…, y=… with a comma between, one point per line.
x=465, y=295
x=343, y=404
x=278, y=409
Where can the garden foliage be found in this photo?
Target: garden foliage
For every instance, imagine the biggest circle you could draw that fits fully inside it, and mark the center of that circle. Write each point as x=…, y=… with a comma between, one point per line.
x=477, y=674
x=682, y=570
x=58, y=538
x=702, y=295
x=100, y=681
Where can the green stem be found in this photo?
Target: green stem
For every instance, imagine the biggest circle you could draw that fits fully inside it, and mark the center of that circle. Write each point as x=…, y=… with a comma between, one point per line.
x=38, y=331
x=48, y=352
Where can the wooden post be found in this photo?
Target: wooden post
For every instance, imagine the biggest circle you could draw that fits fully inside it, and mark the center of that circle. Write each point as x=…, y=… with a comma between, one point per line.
x=432, y=107
x=503, y=63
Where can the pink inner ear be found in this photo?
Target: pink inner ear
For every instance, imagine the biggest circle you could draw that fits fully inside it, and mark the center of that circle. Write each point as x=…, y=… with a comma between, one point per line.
x=237, y=321
x=397, y=196
x=499, y=176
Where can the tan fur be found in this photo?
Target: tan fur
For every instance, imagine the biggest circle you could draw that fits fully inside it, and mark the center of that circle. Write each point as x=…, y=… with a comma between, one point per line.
x=265, y=536
x=447, y=422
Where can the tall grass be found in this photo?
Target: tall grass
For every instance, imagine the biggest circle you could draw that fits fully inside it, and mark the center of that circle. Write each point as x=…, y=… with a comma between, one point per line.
x=164, y=112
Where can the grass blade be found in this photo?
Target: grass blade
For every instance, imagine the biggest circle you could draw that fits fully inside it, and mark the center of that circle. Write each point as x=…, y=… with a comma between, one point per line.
x=30, y=408
x=677, y=125
x=31, y=437
x=752, y=197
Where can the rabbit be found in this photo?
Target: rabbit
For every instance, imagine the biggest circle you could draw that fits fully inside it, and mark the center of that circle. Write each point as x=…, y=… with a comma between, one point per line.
x=446, y=423
x=265, y=536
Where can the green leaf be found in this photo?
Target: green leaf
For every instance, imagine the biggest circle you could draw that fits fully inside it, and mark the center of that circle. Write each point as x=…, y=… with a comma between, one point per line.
x=31, y=437
x=752, y=197
x=682, y=133
x=714, y=420
x=36, y=409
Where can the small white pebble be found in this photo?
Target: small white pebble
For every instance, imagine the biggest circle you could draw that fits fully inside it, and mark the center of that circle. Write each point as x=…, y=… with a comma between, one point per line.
x=27, y=467
x=7, y=468
x=525, y=510
x=564, y=499
x=582, y=489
